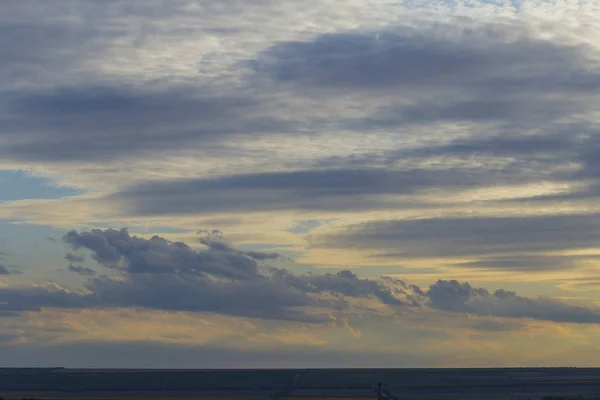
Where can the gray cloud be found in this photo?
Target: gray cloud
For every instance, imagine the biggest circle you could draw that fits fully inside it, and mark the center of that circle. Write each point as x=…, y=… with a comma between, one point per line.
x=262, y=256
x=44, y=49
x=258, y=298
x=525, y=99
x=502, y=237
x=319, y=189
x=74, y=258
x=84, y=271
x=507, y=114
x=57, y=103
x=462, y=297
x=34, y=298
x=158, y=274
x=343, y=283
x=94, y=123
x=3, y=270
x=555, y=143
x=171, y=275
x=513, y=157
x=491, y=72
x=501, y=58
x=527, y=156
x=521, y=263
x=117, y=249
x=494, y=325
x=497, y=77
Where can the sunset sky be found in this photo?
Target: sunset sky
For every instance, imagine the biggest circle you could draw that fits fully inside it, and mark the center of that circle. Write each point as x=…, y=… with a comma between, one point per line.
x=299, y=183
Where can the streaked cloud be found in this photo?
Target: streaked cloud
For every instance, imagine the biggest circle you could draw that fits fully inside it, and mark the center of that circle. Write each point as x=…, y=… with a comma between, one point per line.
x=476, y=237
x=81, y=270
x=499, y=58
x=456, y=297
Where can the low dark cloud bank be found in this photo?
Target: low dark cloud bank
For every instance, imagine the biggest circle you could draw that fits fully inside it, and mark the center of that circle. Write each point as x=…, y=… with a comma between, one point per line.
x=171, y=275
x=159, y=274
x=3, y=270
x=463, y=298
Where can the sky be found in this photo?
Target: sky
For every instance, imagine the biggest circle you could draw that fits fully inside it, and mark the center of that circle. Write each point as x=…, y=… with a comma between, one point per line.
x=315, y=183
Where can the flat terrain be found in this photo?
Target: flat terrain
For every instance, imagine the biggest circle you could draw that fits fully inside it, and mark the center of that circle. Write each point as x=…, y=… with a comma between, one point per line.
x=297, y=384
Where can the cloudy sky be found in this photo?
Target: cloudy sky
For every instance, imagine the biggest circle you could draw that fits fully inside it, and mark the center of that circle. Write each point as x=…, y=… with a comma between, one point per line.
x=317, y=183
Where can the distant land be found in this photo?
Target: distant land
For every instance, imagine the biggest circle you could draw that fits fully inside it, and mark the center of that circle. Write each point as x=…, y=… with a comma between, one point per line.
x=430, y=384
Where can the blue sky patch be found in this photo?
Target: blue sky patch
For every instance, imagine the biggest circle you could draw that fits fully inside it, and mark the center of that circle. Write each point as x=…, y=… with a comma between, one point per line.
x=308, y=225
x=18, y=185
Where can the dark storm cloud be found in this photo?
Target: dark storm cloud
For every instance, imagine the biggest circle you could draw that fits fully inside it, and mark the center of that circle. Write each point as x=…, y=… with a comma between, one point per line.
x=463, y=298
x=78, y=269
x=463, y=237
x=336, y=189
